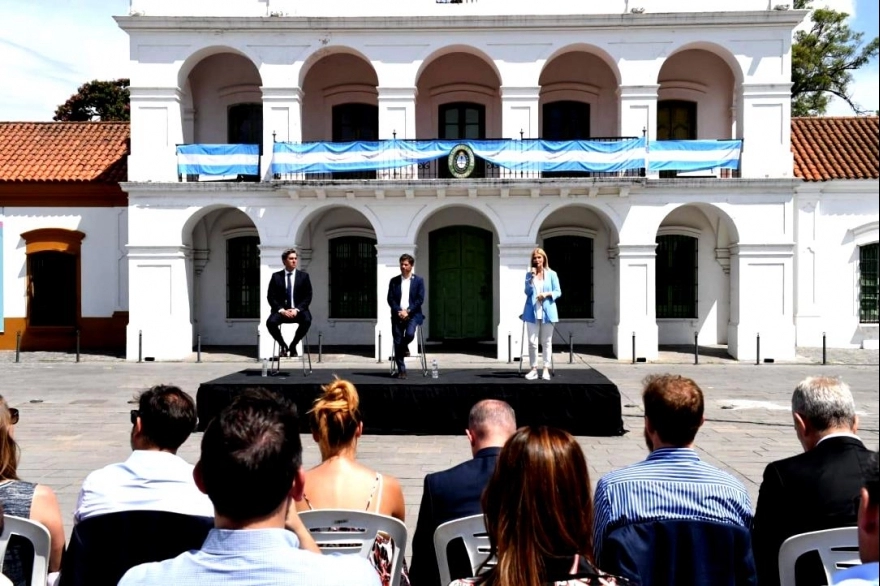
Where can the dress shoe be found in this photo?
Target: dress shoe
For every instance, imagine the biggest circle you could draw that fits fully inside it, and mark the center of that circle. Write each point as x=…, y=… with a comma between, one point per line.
x=282, y=352
x=292, y=351
x=406, y=353
x=399, y=375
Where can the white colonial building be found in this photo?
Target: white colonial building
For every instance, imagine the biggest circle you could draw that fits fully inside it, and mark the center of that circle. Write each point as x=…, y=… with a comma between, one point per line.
x=330, y=94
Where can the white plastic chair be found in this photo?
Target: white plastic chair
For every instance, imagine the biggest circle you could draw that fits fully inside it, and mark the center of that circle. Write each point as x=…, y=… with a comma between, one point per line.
x=472, y=530
x=838, y=548
x=354, y=532
x=37, y=535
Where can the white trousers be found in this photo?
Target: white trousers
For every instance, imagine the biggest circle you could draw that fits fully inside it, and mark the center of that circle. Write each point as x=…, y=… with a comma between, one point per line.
x=546, y=333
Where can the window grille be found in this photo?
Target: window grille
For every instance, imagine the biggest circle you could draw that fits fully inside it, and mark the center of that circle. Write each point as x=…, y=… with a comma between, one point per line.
x=572, y=259
x=676, y=277
x=868, y=286
x=243, y=277
x=353, y=278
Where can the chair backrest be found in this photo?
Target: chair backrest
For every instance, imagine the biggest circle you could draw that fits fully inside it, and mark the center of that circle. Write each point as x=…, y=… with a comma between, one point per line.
x=471, y=530
x=104, y=547
x=38, y=535
x=673, y=552
x=838, y=549
x=356, y=532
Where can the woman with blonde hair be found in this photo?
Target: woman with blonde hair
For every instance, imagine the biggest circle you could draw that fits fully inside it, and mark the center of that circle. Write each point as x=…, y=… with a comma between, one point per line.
x=542, y=290
x=24, y=499
x=340, y=481
x=539, y=514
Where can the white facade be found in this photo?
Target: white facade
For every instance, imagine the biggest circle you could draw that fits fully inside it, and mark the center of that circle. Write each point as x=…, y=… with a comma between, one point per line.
x=753, y=235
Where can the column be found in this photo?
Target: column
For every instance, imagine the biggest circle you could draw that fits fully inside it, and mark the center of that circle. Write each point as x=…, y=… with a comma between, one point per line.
x=397, y=119
x=156, y=130
x=761, y=301
x=282, y=122
x=513, y=261
x=635, y=302
x=159, y=302
x=766, y=130
x=638, y=112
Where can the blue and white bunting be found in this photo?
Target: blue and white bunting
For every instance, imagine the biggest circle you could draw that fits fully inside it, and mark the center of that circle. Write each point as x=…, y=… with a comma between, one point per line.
x=214, y=160
x=693, y=155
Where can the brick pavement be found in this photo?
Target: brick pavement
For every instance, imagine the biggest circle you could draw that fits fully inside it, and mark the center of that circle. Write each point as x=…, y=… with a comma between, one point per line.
x=75, y=416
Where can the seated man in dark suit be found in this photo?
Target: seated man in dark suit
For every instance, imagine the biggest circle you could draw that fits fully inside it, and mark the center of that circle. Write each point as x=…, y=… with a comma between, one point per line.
x=455, y=493
x=289, y=295
x=815, y=490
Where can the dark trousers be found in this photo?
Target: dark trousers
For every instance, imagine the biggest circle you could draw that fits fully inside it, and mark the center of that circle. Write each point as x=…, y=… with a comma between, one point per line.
x=273, y=324
x=403, y=332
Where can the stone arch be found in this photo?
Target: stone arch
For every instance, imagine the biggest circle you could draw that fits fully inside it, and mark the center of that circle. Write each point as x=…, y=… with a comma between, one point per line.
x=200, y=55
x=328, y=51
x=457, y=48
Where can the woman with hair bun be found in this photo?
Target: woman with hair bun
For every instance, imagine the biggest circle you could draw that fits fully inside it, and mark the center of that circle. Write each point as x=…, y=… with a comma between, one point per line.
x=340, y=481
x=539, y=514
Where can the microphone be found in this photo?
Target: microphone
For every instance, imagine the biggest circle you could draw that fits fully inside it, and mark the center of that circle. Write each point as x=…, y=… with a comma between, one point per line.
x=532, y=273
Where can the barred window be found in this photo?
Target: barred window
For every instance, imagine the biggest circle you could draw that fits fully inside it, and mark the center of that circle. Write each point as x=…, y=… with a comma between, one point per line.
x=353, y=278
x=243, y=277
x=868, y=286
x=676, y=276
x=572, y=259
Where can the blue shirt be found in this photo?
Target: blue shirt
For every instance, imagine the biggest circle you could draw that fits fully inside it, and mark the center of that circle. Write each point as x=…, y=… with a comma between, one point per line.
x=671, y=483
x=863, y=575
x=254, y=557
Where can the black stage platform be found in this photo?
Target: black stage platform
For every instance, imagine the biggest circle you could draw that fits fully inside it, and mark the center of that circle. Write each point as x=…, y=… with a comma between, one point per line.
x=582, y=401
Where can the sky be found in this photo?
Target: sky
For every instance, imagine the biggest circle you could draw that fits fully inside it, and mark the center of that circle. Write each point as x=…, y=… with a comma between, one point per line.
x=48, y=48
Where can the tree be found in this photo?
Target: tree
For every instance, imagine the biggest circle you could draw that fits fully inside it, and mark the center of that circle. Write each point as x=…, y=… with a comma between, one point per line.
x=823, y=59
x=96, y=100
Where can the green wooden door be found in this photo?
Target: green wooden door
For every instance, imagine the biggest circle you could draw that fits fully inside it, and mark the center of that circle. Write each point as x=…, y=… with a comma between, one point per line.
x=460, y=291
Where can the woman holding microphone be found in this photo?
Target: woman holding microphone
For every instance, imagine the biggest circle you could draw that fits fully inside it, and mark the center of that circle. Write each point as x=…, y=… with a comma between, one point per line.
x=542, y=290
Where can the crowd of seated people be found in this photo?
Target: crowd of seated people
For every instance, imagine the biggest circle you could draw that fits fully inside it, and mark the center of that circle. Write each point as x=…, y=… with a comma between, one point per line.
x=669, y=519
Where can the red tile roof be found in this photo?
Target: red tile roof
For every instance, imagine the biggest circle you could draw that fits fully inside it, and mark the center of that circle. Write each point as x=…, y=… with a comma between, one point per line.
x=832, y=147
x=63, y=152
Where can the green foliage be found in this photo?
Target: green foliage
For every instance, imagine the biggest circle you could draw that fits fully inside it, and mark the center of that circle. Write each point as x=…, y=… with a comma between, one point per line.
x=823, y=59
x=97, y=100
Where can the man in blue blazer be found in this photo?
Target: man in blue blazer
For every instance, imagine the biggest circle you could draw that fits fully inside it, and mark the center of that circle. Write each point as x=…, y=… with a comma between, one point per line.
x=289, y=296
x=406, y=293
x=455, y=493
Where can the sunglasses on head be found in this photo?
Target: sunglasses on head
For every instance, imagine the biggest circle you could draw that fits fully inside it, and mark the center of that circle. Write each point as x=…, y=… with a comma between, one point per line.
x=13, y=415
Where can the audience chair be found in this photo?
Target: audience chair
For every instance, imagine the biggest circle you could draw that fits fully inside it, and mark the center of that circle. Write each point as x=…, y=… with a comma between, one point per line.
x=339, y=531
x=471, y=530
x=38, y=535
x=680, y=551
x=104, y=547
x=420, y=354
x=287, y=332
x=524, y=349
x=838, y=549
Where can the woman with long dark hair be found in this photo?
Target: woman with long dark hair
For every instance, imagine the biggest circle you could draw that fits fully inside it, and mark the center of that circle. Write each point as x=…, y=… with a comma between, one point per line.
x=539, y=514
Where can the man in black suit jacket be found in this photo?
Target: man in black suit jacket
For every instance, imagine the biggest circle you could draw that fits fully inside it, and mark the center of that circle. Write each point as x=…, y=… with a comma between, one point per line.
x=455, y=493
x=289, y=295
x=406, y=313
x=815, y=490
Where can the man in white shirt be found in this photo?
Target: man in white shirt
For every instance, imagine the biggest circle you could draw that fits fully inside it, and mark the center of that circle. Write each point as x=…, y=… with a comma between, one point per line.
x=153, y=478
x=406, y=294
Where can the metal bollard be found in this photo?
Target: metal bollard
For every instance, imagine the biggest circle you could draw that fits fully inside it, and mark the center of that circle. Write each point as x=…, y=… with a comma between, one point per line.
x=509, y=348
x=320, y=346
x=379, y=349
x=824, y=349
x=570, y=349
x=696, y=348
x=634, y=348
x=140, y=345
x=198, y=348
x=758, y=348
x=77, y=344
x=18, y=346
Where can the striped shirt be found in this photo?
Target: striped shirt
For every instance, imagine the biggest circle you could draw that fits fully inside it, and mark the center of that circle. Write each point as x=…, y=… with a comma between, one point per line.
x=671, y=483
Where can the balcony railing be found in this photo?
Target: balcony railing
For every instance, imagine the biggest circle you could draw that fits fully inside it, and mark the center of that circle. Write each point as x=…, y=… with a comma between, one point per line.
x=498, y=159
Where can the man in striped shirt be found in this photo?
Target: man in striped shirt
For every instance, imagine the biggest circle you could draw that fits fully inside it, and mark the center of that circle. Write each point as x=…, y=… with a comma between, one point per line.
x=672, y=483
